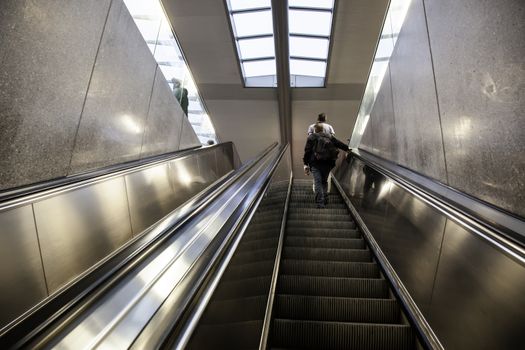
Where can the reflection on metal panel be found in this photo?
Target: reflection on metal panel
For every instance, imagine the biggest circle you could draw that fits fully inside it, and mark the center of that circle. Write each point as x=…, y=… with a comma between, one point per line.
x=225, y=159
x=79, y=228
x=21, y=274
x=151, y=195
x=469, y=291
x=412, y=235
x=478, y=297
x=208, y=165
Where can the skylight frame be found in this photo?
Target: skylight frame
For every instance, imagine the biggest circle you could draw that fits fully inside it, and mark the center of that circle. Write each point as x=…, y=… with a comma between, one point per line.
x=261, y=80
x=310, y=80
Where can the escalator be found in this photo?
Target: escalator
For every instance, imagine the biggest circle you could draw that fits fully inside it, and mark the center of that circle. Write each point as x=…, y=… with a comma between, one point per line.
x=329, y=294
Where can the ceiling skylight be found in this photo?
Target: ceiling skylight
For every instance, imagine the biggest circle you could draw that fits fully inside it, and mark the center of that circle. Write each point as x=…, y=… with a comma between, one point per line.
x=252, y=26
x=309, y=27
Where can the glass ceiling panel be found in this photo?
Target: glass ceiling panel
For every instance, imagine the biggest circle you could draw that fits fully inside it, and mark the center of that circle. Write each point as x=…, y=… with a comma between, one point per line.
x=307, y=68
x=253, y=23
x=236, y=5
x=310, y=22
x=259, y=68
x=253, y=48
x=323, y=4
x=308, y=47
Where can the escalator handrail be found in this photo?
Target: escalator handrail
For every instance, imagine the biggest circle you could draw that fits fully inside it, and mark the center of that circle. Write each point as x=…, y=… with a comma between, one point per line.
x=501, y=230
x=37, y=319
x=14, y=196
x=263, y=343
x=234, y=237
x=424, y=332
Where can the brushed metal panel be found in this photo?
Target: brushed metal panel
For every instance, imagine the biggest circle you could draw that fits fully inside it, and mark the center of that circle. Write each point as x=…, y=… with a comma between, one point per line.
x=478, y=298
x=207, y=161
x=225, y=159
x=79, y=228
x=21, y=274
x=151, y=196
x=412, y=235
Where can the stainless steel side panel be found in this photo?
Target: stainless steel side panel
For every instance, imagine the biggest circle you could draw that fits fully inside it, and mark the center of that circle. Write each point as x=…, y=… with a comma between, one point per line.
x=225, y=159
x=151, y=195
x=21, y=274
x=478, y=300
x=470, y=292
x=208, y=165
x=412, y=236
x=79, y=228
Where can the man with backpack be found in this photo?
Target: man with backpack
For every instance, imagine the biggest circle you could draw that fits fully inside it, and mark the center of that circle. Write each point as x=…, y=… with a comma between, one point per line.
x=320, y=154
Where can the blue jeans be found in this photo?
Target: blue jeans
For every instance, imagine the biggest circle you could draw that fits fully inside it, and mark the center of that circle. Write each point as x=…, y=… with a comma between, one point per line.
x=320, y=185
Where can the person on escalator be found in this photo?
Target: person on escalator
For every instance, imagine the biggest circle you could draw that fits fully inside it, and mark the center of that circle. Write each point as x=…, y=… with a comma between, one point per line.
x=320, y=154
x=327, y=128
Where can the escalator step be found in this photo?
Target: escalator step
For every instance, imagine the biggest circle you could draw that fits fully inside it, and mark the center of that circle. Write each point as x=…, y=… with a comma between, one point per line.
x=320, y=216
x=253, y=235
x=241, y=335
x=338, y=335
x=253, y=256
x=315, y=232
x=329, y=268
x=325, y=254
x=255, y=269
x=297, y=197
x=257, y=244
x=313, y=205
x=302, y=307
x=348, y=224
x=323, y=242
x=333, y=286
x=242, y=288
x=235, y=310
x=313, y=212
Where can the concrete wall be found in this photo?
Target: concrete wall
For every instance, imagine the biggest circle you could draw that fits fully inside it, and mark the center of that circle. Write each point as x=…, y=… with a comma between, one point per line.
x=452, y=103
x=79, y=89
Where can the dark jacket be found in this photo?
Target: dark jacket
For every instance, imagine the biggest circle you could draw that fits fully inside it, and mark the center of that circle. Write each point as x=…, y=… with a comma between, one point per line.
x=309, y=159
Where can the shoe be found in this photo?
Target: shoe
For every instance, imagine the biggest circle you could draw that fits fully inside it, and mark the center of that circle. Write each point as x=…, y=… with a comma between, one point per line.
x=320, y=206
x=325, y=200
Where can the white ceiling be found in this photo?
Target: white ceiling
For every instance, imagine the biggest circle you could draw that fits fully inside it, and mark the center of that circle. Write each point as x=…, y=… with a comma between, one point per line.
x=250, y=116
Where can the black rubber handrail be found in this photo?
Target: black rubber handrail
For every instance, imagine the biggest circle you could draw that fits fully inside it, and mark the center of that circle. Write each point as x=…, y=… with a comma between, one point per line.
x=70, y=300
x=501, y=230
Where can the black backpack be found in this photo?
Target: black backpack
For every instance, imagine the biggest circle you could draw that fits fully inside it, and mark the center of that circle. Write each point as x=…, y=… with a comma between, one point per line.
x=324, y=149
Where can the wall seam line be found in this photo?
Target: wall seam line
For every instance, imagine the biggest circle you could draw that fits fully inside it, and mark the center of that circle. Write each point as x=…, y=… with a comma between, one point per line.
x=129, y=206
x=40, y=249
x=436, y=90
x=87, y=90
x=437, y=265
x=149, y=107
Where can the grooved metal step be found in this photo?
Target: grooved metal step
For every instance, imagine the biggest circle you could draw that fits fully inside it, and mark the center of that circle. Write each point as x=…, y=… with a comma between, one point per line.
x=314, y=211
x=242, y=288
x=256, y=244
x=340, y=336
x=316, y=232
x=329, y=268
x=304, y=307
x=349, y=225
x=254, y=269
x=239, y=335
x=236, y=310
x=325, y=254
x=324, y=242
x=333, y=286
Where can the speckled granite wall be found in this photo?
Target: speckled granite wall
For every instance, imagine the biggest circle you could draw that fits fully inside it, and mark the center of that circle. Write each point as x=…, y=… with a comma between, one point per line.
x=458, y=98
x=79, y=89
